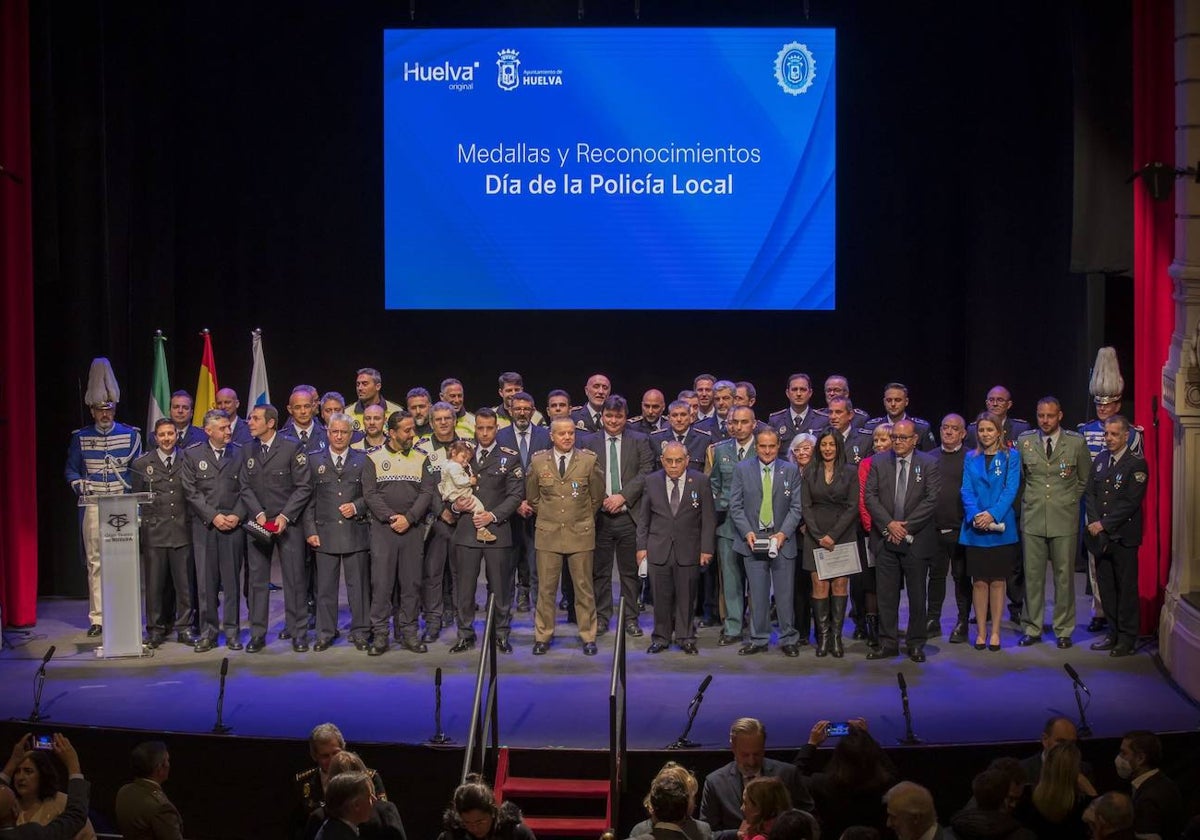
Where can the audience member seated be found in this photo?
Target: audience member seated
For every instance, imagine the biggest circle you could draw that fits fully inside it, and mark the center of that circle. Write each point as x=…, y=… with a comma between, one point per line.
x=36, y=781
x=764, y=799
x=795, y=825
x=474, y=815
x=910, y=813
x=850, y=790
x=143, y=810
x=990, y=818
x=349, y=802
x=669, y=803
x=1110, y=817
x=1157, y=803
x=1058, y=730
x=67, y=824
x=324, y=742
x=721, y=802
x=693, y=829
x=385, y=819
x=1053, y=808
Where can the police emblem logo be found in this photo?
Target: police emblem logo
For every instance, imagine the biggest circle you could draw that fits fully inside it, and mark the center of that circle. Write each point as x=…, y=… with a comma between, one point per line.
x=783, y=430
x=321, y=470
x=506, y=76
x=301, y=459
x=204, y=465
x=795, y=69
x=387, y=465
x=149, y=469
x=250, y=464
x=1139, y=477
x=517, y=472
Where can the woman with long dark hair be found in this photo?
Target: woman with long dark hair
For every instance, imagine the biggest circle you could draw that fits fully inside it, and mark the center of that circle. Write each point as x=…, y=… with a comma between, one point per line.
x=474, y=815
x=850, y=790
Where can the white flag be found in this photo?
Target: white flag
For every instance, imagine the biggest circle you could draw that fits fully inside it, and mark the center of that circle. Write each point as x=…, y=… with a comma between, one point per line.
x=260, y=392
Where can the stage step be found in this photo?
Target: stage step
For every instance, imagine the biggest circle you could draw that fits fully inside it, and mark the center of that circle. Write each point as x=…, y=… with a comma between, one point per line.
x=548, y=819
x=590, y=827
x=529, y=786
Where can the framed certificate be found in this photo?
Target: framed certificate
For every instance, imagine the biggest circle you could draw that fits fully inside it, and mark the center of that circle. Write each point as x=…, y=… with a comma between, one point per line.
x=839, y=561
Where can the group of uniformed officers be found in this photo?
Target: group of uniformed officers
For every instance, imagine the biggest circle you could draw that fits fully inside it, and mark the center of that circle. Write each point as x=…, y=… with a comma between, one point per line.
x=695, y=503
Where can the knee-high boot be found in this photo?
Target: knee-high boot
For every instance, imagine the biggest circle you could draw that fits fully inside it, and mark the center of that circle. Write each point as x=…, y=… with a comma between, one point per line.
x=820, y=608
x=873, y=631
x=837, y=604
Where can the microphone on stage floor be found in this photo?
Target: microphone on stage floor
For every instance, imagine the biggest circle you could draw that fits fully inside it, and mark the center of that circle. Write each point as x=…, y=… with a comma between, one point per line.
x=909, y=738
x=1074, y=675
x=439, y=737
x=39, y=681
x=1154, y=411
x=220, y=728
x=682, y=742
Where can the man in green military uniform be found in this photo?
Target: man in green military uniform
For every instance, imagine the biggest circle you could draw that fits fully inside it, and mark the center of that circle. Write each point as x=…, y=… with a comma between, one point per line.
x=1055, y=463
x=723, y=456
x=143, y=810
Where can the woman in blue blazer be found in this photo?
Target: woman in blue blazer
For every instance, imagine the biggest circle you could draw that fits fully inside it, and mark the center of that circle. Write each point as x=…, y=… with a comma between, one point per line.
x=991, y=479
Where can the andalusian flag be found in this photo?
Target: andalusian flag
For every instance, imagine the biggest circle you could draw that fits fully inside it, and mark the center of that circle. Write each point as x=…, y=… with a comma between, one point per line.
x=160, y=386
x=260, y=392
x=206, y=386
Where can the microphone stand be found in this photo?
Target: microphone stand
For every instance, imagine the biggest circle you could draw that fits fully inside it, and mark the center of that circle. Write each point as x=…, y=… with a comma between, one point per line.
x=220, y=728
x=682, y=742
x=1084, y=729
x=439, y=737
x=39, y=681
x=909, y=739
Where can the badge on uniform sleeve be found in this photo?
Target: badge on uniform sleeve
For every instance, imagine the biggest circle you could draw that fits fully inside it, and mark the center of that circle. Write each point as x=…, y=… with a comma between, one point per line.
x=321, y=470
x=517, y=472
x=783, y=430
x=387, y=465
x=301, y=459
x=1139, y=477
x=149, y=470
x=204, y=465
x=579, y=424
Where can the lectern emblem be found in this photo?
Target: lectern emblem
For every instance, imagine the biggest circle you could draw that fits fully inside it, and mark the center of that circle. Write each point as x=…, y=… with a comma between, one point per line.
x=118, y=521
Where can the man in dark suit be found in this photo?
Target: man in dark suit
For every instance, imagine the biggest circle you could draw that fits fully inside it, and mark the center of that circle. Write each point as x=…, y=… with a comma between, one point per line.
x=587, y=417
x=1157, y=803
x=349, y=801
x=275, y=487
x=799, y=416
x=1057, y=730
x=721, y=801
x=1113, y=500
x=501, y=488
x=181, y=410
x=227, y=401
x=764, y=504
x=901, y=496
x=911, y=814
x=527, y=438
x=210, y=483
x=67, y=824
x=165, y=541
x=624, y=458
x=951, y=557
x=676, y=533
x=337, y=530
x=669, y=803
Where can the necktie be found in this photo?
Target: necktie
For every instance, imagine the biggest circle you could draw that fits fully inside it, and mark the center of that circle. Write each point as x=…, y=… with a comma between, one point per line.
x=674, y=495
x=721, y=426
x=220, y=453
x=1112, y=461
x=680, y=438
x=263, y=450
x=614, y=466
x=170, y=459
x=483, y=453
x=901, y=486
x=1049, y=449
x=304, y=437
x=337, y=462
x=562, y=466
x=765, y=510
x=524, y=447
x=741, y=453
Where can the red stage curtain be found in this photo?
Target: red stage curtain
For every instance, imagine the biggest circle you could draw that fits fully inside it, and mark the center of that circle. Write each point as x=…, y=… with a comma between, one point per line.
x=1154, y=309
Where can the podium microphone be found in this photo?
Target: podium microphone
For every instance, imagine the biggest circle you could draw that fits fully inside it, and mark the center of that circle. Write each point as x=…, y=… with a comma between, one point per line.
x=909, y=738
x=39, y=680
x=439, y=737
x=682, y=742
x=1083, y=728
x=220, y=728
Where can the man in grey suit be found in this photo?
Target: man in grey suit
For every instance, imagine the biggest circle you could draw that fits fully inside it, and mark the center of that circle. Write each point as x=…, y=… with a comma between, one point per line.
x=624, y=458
x=526, y=437
x=764, y=504
x=901, y=496
x=676, y=532
x=336, y=527
x=721, y=801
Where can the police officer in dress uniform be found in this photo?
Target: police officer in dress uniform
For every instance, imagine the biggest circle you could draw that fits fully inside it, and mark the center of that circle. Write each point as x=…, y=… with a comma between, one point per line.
x=587, y=417
x=651, y=420
x=723, y=458
x=1114, y=497
x=275, y=487
x=335, y=527
x=98, y=460
x=165, y=539
x=180, y=409
x=451, y=391
x=227, y=401
x=367, y=382
x=799, y=416
x=324, y=742
x=895, y=406
x=838, y=387
x=210, y=483
x=511, y=384
x=999, y=403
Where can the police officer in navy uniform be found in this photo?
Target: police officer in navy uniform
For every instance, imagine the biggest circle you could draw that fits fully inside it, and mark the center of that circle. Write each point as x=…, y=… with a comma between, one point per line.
x=210, y=483
x=1115, y=490
x=227, y=401
x=651, y=420
x=587, y=417
x=335, y=527
x=895, y=405
x=501, y=489
x=838, y=386
x=275, y=487
x=302, y=426
x=165, y=541
x=999, y=402
x=682, y=430
x=180, y=408
x=799, y=416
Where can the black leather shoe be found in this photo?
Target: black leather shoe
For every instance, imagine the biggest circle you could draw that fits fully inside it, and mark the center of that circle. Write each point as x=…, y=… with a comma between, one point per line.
x=689, y=648
x=601, y=627
x=414, y=646
x=933, y=627
x=232, y=643
x=917, y=654
x=1121, y=650
x=360, y=643
x=1028, y=641
x=883, y=653
x=523, y=602
x=632, y=629
x=1107, y=643
x=284, y=635
x=322, y=644
x=155, y=641
x=430, y=636
x=589, y=649
x=656, y=647
x=981, y=646
x=708, y=622
x=959, y=634
x=1063, y=642
x=562, y=605
x=95, y=630
x=187, y=637
x=724, y=640
x=751, y=649
x=791, y=650
x=1098, y=624
x=462, y=645
x=503, y=645
x=256, y=644
x=300, y=644
x=378, y=648
x=541, y=648
x=204, y=645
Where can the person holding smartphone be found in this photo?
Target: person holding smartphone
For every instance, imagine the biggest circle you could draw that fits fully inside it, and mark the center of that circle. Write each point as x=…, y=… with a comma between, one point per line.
x=31, y=799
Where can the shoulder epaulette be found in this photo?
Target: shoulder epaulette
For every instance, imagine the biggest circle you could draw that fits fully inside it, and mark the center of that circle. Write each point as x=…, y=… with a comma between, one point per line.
x=704, y=432
x=195, y=444
x=1021, y=420
x=509, y=451
x=916, y=420
x=1070, y=432
x=878, y=420
x=304, y=774
x=637, y=419
x=1027, y=432
x=576, y=408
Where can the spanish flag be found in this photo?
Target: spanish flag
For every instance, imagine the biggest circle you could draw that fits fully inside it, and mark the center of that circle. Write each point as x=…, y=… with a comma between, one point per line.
x=206, y=387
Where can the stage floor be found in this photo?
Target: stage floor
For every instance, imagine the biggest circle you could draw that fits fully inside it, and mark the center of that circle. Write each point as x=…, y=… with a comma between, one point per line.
x=560, y=700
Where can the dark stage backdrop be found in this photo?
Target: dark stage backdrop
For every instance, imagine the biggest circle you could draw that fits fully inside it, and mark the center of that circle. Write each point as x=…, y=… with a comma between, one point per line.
x=219, y=165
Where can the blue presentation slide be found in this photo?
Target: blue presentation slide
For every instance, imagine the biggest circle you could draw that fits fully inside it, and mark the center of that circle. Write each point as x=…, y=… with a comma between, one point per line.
x=642, y=169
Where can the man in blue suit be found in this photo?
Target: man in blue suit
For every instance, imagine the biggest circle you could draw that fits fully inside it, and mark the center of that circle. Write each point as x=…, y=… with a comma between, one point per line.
x=764, y=505
x=527, y=438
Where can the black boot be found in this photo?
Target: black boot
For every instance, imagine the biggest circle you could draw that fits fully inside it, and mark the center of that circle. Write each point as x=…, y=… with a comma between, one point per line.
x=837, y=606
x=873, y=631
x=820, y=608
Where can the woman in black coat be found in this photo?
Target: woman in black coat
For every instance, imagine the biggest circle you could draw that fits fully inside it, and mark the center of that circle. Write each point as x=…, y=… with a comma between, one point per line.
x=474, y=815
